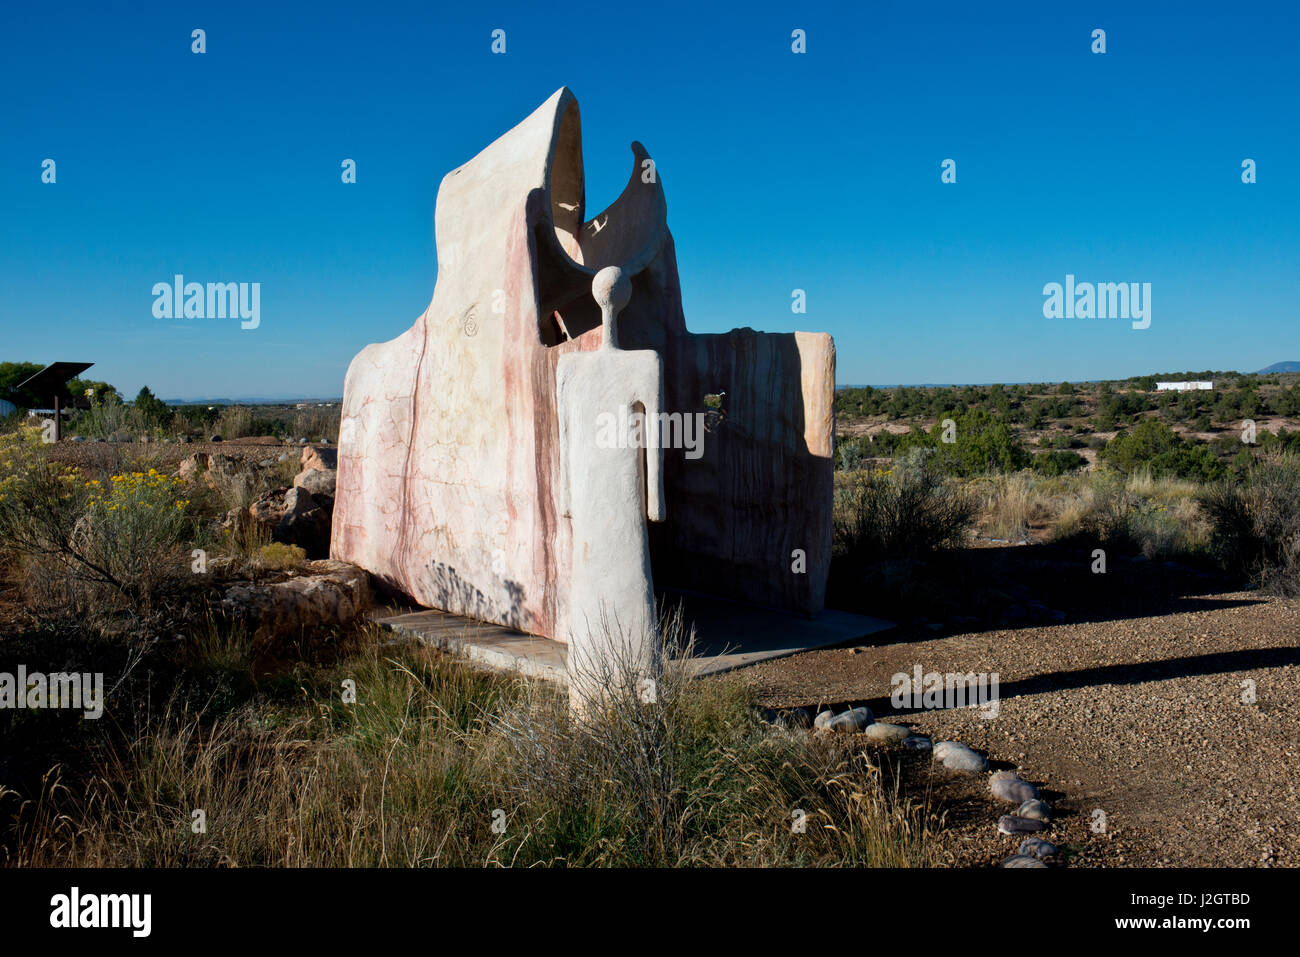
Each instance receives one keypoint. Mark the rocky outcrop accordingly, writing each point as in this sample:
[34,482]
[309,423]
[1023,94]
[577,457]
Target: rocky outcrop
[305,523]
[300,515]
[325,458]
[327,593]
[319,482]
[209,468]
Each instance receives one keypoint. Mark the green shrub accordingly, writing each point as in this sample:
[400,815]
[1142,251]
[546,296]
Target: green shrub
[1187,461]
[904,512]
[853,453]
[1154,446]
[1058,462]
[151,408]
[982,443]
[1256,523]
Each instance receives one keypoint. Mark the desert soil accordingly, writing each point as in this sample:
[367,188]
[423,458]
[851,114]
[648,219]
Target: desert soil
[166,456]
[1140,716]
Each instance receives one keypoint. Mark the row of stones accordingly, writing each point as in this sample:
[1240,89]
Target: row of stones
[1033,814]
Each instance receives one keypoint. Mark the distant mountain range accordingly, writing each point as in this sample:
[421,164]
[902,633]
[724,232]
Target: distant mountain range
[1280,367]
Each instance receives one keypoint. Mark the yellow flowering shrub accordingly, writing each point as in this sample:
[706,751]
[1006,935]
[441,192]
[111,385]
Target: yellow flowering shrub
[111,543]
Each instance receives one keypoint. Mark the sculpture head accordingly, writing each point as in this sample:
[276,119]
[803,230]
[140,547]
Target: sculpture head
[612,291]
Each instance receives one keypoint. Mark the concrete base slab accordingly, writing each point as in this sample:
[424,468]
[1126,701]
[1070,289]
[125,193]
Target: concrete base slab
[493,645]
[728,635]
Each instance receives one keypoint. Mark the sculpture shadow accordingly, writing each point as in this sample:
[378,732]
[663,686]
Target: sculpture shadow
[975,589]
[453,591]
[1125,673]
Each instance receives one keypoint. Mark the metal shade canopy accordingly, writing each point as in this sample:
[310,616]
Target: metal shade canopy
[45,385]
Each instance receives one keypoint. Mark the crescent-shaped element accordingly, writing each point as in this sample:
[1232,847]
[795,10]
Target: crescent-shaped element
[629,233]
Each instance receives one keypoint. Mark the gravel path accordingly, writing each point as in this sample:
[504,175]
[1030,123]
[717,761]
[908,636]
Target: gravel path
[1141,718]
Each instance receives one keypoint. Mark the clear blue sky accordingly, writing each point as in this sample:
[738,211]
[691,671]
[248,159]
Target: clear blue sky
[818,171]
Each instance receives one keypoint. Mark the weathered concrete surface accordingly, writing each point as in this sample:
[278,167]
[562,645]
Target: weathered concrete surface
[449,444]
[764,486]
[495,646]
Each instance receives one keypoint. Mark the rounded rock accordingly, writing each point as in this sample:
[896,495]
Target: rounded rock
[958,757]
[851,721]
[1011,788]
[1022,860]
[886,733]
[1035,810]
[1015,824]
[917,742]
[1037,847]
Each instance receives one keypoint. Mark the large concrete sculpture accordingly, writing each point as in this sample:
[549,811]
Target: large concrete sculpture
[449,486]
[609,487]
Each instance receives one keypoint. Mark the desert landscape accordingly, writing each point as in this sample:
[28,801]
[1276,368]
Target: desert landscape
[854,440]
[1122,693]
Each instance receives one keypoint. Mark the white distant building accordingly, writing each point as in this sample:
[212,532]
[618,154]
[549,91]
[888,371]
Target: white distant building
[1184,386]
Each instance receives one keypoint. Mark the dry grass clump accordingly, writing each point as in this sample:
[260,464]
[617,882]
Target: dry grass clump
[235,422]
[1012,503]
[437,763]
[1157,517]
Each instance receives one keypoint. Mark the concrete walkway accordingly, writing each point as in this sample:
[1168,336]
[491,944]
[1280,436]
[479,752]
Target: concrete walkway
[729,635]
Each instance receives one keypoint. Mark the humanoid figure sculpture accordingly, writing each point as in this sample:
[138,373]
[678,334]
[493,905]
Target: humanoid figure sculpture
[609,488]
[448,482]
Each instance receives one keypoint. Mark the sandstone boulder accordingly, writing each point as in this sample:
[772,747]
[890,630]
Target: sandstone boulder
[269,507]
[329,593]
[315,457]
[211,468]
[318,482]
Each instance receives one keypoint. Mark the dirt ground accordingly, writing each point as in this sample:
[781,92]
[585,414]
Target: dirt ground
[1138,705]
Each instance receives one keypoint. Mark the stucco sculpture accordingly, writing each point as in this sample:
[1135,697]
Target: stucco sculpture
[449,487]
[610,484]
